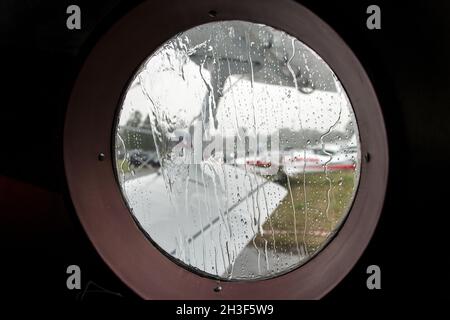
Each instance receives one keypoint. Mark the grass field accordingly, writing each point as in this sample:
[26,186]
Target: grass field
[314,220]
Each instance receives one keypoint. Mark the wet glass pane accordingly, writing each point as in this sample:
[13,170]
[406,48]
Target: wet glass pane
[237,150]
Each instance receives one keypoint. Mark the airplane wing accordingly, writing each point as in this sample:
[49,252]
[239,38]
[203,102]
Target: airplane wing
[209,216]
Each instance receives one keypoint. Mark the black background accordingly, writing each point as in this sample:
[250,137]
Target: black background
[407,61]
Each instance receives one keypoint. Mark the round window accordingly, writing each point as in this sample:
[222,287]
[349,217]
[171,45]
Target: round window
[237,150]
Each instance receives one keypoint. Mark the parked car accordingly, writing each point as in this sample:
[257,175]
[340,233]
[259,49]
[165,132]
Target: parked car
[139,158]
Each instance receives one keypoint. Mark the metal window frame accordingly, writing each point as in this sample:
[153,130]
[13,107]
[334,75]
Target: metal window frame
[96,195]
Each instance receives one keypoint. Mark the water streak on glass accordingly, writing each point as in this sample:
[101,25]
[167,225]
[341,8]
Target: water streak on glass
[237,150]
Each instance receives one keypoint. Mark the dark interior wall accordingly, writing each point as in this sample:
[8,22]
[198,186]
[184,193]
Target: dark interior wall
[407,61]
